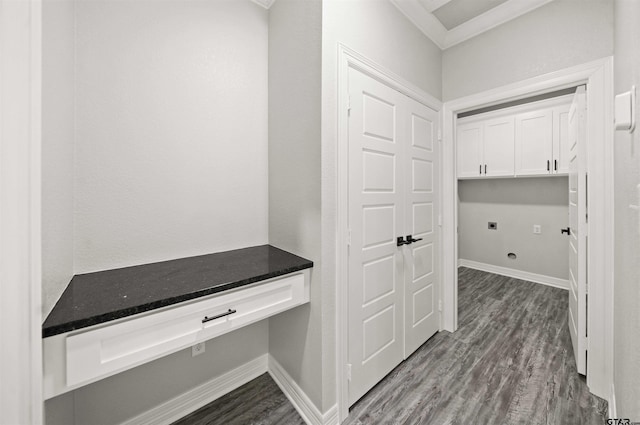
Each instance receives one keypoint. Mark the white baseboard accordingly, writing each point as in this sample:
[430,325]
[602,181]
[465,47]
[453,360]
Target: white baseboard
[303,404]
[190,401]
[518,274]
[612,403]
[330,417]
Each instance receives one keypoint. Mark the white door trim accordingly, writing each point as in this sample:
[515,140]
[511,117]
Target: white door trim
[20,245]
[349,58]
[598,76]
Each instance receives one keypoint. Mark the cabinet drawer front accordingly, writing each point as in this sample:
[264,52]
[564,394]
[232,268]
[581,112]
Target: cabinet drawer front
[118,347]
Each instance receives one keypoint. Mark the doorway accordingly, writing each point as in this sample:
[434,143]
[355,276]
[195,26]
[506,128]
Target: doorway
[597,76]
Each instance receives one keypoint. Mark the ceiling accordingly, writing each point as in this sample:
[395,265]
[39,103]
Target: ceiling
[449,22]
[457,12]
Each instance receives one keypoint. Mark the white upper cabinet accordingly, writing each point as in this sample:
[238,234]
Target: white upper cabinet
[534,142]
[561,146]
[485,148]
[527,140]
[498,147]
[469,137]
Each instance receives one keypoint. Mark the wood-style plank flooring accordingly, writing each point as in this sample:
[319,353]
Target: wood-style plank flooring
[510,362]
[257,402]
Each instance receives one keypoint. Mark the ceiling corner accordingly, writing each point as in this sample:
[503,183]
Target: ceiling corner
[264,3]
[423,20]
[419,12]
[499,15]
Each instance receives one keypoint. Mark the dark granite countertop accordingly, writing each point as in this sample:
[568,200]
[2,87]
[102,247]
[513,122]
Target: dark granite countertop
[100,297]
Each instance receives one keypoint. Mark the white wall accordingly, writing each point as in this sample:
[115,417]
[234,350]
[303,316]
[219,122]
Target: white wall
[171,141]
[558,35]
[296,337]
[516,205]
[58,79]
[171,160]
[627,220]
[20,212]
[376,29]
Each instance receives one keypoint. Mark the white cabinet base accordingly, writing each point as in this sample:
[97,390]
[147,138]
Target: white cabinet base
[78,358]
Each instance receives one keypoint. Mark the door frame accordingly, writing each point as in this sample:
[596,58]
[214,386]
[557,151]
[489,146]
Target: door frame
[349,58]
[598,77]
[21,398]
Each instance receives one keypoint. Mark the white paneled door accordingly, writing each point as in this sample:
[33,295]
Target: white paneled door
[421,212]
[392,194]
[578,229]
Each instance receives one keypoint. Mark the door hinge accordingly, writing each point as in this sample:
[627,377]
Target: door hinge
[349,105]
[439,135]
[440,220]
[439,305]
[349,371]
[348,237]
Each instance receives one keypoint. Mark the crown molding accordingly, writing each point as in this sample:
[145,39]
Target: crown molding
[432,5]
[416,11]
[490,19]
[264,3]
[424,20]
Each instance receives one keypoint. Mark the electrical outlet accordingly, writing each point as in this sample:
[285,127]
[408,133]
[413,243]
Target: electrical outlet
[537,229]
[197,349]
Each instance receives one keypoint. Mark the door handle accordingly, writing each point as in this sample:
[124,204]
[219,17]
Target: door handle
[567,231]
[410,239]
[400,241]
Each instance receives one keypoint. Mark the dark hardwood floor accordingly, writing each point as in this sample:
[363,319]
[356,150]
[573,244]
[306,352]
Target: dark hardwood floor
[510,362]
[257,402]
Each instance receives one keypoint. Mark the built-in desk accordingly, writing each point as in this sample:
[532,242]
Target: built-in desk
[110,321]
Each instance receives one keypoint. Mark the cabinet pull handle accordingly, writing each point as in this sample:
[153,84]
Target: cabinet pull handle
[555,164]
[548,166]
[208,319]
[480,168]
[485,168]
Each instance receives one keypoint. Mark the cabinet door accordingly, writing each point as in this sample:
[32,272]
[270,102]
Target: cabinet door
[469,149]
[499,147]
[561,145]
[534,140]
